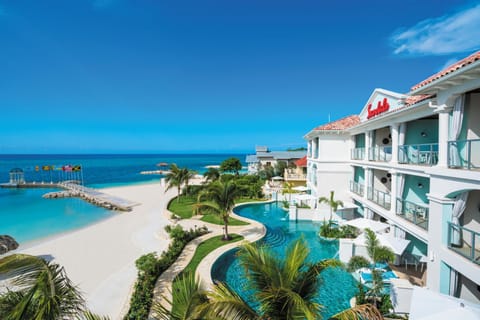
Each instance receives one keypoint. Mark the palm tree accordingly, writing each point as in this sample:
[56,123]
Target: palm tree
[221,200]
[331,202]
[187,175]
[360,312]
[288,188]
[44,290]
[377,253]
[285,289]
[188,297]
[212,174]
[174,178]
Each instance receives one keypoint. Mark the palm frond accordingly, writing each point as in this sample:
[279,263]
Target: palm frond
[224,303]
[88,315]
[360,312]
[44,286]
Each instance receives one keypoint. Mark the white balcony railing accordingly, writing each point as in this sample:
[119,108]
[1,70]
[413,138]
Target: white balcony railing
[413,212]
[421,154]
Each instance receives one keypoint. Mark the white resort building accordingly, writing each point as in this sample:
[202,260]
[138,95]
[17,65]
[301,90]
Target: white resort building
[413,161]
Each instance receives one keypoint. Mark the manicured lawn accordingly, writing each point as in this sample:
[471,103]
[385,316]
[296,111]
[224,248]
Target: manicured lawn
[184,209]
[183,206]
[244,200]
[213,218]
[206,247]
[202,251]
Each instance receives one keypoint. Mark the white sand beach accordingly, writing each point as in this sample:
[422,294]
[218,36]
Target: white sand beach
[100,258]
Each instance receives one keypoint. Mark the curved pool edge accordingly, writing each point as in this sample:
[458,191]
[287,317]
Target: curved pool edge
[253,232]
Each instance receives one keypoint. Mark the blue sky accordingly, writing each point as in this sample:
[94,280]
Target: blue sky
[84,76]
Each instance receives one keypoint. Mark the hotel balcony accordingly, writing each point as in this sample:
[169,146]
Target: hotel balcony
[381,154]
[381,198]
[294,176]
[357,154]
[413,212]
[419,154]
[357,188]
[464,241]
[464,154]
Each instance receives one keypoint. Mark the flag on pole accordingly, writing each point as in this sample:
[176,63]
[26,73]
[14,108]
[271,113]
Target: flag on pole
[77,168]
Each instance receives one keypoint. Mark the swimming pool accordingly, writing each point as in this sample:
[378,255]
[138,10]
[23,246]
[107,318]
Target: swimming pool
[338,286]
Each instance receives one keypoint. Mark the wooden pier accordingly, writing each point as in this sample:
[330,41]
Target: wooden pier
[73,189]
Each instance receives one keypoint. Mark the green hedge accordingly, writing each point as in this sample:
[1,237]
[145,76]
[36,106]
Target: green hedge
[150,268]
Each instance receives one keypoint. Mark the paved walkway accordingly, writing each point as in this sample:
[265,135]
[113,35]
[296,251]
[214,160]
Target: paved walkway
[252,232]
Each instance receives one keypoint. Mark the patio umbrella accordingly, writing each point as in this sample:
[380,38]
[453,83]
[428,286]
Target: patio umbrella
[362,224]
[430,305]
[277,178]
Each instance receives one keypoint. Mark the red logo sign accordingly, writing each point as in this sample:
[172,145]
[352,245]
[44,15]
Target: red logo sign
[382,107]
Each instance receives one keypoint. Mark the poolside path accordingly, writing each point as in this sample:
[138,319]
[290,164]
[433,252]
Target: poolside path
[252,232]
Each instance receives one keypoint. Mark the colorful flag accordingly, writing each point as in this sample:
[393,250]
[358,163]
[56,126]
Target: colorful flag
[37,168]
[77,168]
[67,168]
[45,168]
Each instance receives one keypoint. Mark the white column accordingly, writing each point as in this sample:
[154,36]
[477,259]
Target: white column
[443,133]
[394,132]
[393,191]
[309,149]
[437,237]
[368,136]
[443,124]
[366,181]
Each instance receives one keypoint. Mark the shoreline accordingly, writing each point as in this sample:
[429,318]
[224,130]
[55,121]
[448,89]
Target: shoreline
[100,257]
[113,213]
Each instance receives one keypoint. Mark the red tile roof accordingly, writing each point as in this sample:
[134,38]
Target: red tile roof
[341,124]
[301,162]
[411,100]
[454,67]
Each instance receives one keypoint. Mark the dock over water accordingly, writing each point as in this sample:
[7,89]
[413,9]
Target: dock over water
[73,189]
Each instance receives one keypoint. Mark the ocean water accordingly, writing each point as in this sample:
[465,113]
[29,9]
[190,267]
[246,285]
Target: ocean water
[26,216]
[337,286]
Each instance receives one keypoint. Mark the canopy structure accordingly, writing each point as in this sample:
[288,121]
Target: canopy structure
[300,188]
[277,178]
[430,305]
[397,245]
[362,224]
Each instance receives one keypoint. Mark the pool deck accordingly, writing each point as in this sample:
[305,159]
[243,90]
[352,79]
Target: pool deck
[251,233]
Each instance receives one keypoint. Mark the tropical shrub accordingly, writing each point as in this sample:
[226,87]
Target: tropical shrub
[150,268]
[357,262]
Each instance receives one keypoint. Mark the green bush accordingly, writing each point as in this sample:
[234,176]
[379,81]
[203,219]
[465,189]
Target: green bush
[150,268]
[357,262]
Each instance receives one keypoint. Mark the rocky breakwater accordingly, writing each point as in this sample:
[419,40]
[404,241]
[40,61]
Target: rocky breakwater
[7,243]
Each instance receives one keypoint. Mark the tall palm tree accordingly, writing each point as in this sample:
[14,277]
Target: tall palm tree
[44,290]
[375,250]
[331,202]
[212,174]
[175,178]
[187,175]
[377,253]
[220,198]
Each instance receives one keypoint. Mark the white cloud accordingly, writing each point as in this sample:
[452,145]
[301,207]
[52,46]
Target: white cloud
[450,34]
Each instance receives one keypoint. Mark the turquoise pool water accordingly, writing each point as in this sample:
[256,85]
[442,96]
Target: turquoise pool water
[338,286]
